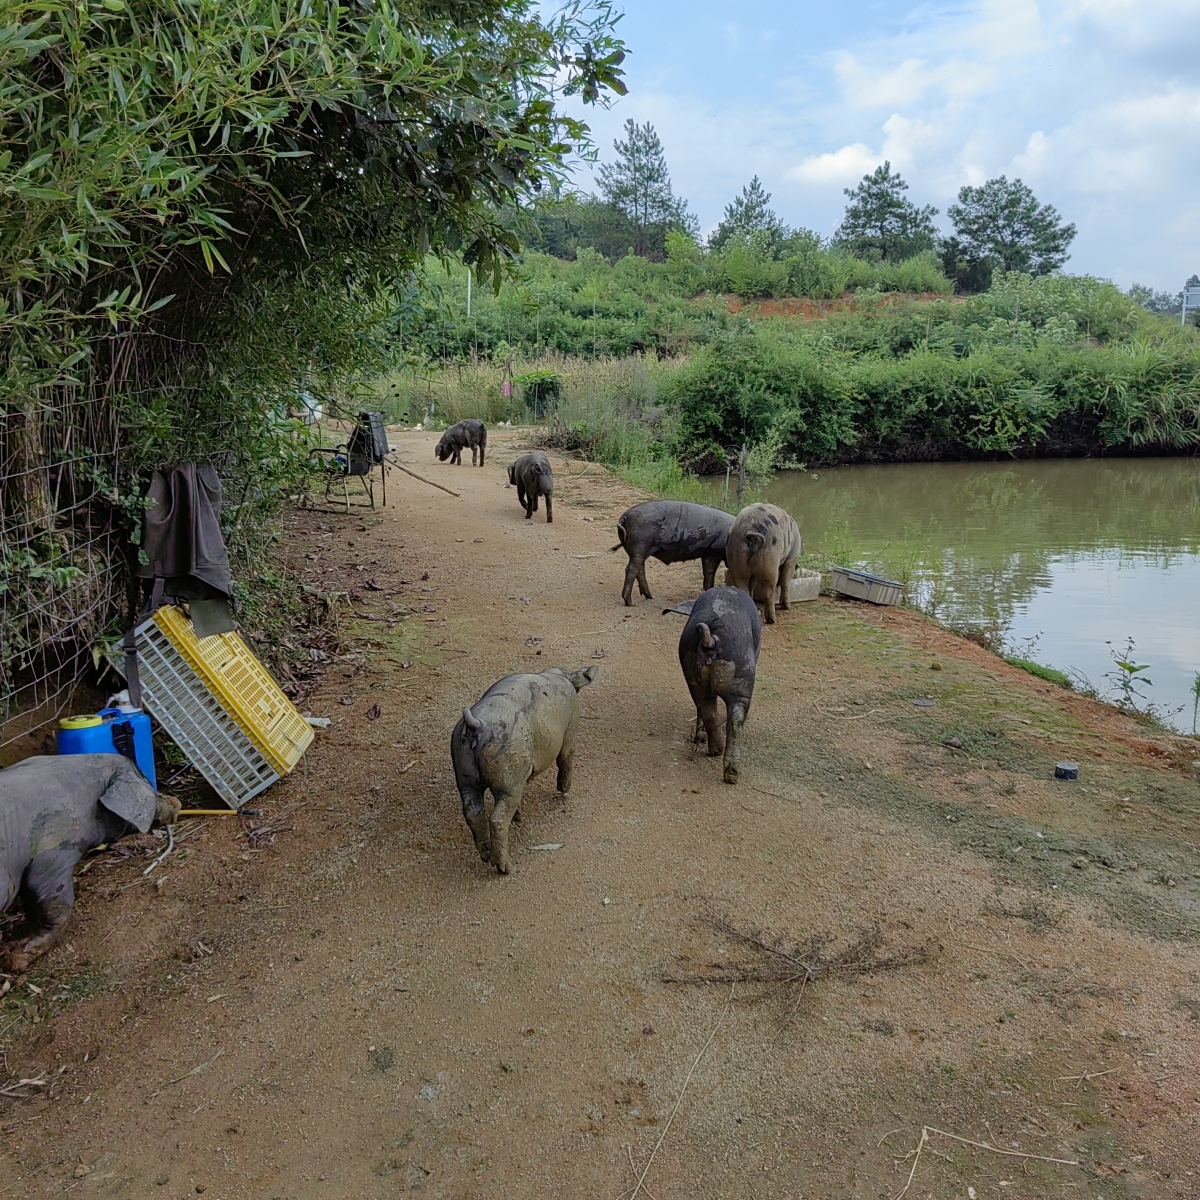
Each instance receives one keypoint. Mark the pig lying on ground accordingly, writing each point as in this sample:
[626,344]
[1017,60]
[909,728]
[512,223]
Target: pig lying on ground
[513,732]
[718,651]
[53,810]
[671,531]
[533,477]
[458,437]
[762,552]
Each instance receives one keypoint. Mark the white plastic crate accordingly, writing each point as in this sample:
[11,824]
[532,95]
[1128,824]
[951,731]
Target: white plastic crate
[862,586]
[195,720]
[805,585]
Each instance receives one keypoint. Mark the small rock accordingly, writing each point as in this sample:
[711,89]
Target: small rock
[162,1180]
[954,743]
[935,666]
[80,1171]
[606,900]
[374,712]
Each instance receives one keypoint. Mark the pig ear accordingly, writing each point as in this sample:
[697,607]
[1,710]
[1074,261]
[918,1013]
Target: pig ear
[589,673]
[471,720]
[132,799]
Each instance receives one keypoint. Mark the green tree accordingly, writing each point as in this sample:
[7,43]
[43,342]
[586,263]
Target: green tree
[639,185]
[881,223]
[1157,302]
[205,207]
[748,214]
[1001,226]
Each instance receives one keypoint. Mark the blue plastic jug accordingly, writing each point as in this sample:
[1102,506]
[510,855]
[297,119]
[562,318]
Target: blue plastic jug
[111,731]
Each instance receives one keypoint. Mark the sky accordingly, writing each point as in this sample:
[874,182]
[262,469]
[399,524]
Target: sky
[1095,104]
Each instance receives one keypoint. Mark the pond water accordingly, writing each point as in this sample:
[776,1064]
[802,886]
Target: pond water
[1060,558]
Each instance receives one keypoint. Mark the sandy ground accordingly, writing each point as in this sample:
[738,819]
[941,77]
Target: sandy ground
[337,999]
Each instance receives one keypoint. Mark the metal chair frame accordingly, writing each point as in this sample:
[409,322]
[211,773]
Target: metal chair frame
[358,458]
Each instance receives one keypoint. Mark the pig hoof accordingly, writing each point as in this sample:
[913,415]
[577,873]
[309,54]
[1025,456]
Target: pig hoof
[19,960]
[504,866]
[731,775]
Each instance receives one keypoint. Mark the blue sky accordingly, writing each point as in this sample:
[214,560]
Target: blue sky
[1094,103]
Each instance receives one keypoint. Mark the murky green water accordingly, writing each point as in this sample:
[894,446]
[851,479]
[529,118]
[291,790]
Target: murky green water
[1062,557]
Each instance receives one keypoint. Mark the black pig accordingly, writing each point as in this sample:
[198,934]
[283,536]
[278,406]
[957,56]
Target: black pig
[533,477]
[671,531]
[458,437]
[718,651]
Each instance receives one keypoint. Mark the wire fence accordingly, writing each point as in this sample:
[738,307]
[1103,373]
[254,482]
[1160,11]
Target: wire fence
[62,548]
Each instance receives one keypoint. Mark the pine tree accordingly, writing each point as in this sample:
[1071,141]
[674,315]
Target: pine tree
[748,214]
[639,185]
[1002,225]
[882,223]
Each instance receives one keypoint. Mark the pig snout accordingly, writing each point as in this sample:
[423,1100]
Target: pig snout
[167,810]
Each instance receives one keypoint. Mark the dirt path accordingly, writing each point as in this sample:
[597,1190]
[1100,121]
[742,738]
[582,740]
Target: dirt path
[349,1004]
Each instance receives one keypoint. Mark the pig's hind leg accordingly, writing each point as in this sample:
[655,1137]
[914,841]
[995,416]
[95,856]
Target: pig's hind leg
[710,571]
[476,818]
[706,710]
[506,806]
[785,581]
[566,759]
[736,718]
[632,570]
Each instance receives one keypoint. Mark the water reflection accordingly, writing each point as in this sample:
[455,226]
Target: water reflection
[1082,552]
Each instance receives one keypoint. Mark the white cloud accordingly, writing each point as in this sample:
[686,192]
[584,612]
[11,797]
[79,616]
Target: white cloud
[846,165]
[867,88]
[1006,28]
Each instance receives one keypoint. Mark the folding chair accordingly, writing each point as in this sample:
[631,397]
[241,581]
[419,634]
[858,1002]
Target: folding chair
[357,458]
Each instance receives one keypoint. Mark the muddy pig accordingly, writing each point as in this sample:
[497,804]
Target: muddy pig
[458,437]
[718,651]
[762,553]
[514,731]
[53,810]
[671,531]
[533,477]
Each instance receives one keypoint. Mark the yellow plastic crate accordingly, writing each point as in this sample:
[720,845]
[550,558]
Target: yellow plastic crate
[245,690]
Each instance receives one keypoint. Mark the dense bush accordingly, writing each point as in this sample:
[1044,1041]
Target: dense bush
[1051,365]
[209,207]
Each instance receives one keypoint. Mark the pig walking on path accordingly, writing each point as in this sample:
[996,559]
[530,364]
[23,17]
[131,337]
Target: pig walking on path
[671,531]
[762,552]
[457,438]
[513,732]
[718,651]
[533,476]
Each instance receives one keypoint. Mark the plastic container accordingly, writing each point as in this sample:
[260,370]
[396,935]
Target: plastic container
[196,721]
[861,586]
[805,585]
[111,731]
[244,689]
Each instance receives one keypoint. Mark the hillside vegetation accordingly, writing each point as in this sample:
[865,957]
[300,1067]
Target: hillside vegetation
[1034,365]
